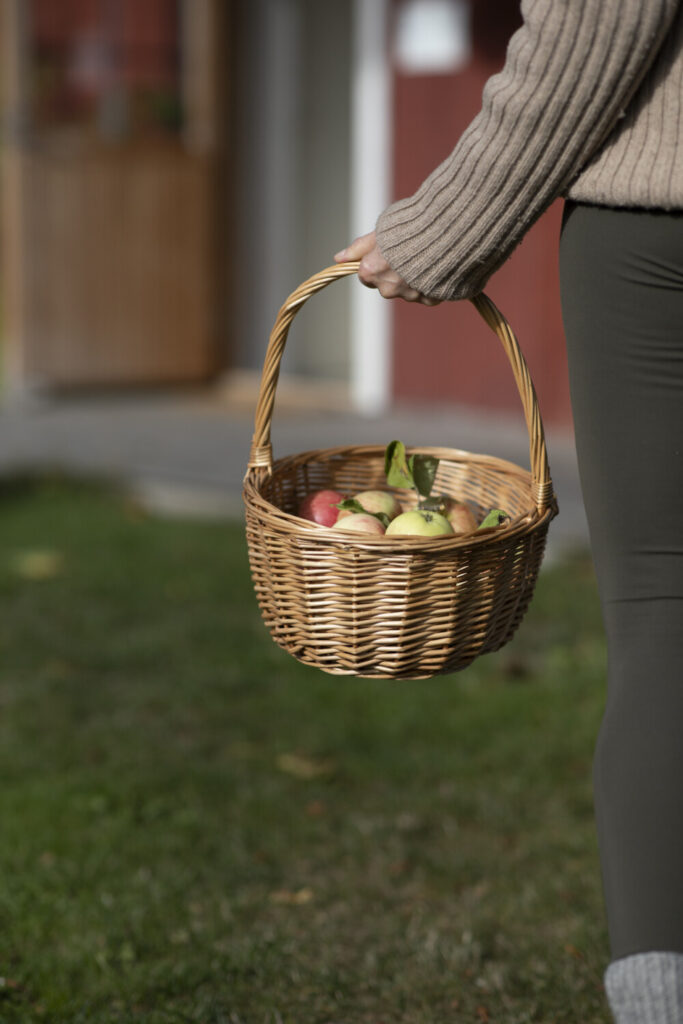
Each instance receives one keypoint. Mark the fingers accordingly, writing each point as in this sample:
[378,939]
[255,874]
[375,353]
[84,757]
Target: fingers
[397,289]
[374,271]
[391,286]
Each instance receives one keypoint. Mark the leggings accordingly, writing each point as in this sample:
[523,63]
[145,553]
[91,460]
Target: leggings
[622,306]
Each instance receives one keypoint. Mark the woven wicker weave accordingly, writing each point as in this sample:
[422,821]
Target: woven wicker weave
[392,607]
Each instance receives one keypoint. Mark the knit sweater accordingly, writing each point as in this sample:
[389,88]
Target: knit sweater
[589,105]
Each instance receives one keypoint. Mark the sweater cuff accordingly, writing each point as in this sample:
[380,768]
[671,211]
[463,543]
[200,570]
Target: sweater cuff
[466,282]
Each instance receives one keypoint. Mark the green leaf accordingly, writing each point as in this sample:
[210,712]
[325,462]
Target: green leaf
[349,505]
[496,517]
[397,467]
[424,472]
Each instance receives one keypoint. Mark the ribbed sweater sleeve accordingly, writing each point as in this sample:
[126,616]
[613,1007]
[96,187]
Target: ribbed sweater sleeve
[569,74]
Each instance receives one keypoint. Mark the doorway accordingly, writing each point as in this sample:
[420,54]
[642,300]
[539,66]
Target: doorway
[115,247]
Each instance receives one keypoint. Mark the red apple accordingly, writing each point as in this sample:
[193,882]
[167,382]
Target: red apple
[460,516]
[360,522]
[419,522]
[321,507]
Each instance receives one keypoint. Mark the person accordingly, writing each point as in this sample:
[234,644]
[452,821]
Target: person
[589,107]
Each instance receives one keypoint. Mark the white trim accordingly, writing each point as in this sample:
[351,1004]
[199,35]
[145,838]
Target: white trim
[371,117]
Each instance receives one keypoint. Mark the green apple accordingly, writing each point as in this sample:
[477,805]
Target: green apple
[419,522]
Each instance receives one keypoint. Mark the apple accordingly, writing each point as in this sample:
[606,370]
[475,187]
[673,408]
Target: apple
[360,522]
[375,501]
[460,516]
[321,507]
[419,522]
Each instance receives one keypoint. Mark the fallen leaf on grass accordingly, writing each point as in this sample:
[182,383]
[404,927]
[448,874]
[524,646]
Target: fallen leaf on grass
[58,667]
[399,867]
[37,564]
[292,897]
[315,809]
[302,767]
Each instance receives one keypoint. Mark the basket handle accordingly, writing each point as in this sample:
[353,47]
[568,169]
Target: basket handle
[261,454]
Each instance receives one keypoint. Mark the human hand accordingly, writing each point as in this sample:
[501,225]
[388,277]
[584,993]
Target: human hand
[375,272]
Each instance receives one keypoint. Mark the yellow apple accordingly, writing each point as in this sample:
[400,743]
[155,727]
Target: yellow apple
[360,522]
[374,502]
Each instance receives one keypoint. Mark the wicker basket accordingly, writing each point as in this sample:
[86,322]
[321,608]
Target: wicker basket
[392,607]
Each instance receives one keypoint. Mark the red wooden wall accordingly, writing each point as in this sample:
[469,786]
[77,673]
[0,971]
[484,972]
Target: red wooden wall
[445,353]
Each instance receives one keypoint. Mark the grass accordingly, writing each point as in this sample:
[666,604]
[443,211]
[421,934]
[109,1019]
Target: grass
[195,827]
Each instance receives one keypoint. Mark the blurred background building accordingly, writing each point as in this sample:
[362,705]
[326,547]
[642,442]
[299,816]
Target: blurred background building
[172,169]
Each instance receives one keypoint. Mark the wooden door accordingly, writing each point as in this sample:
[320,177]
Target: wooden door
[113,236]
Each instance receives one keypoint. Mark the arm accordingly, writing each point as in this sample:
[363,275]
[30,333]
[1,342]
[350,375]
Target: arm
[570,71]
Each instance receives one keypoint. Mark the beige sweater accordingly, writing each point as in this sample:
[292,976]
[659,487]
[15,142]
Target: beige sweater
[589,105]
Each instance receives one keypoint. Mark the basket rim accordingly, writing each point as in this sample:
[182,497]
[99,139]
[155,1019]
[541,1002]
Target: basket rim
[442,452]
[520,526]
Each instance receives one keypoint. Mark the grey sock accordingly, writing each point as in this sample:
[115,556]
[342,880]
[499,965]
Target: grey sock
[646,988]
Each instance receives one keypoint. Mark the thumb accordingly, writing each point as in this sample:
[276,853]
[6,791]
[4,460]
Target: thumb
[357,249]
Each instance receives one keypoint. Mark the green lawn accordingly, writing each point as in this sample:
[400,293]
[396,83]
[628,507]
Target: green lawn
[194,827]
